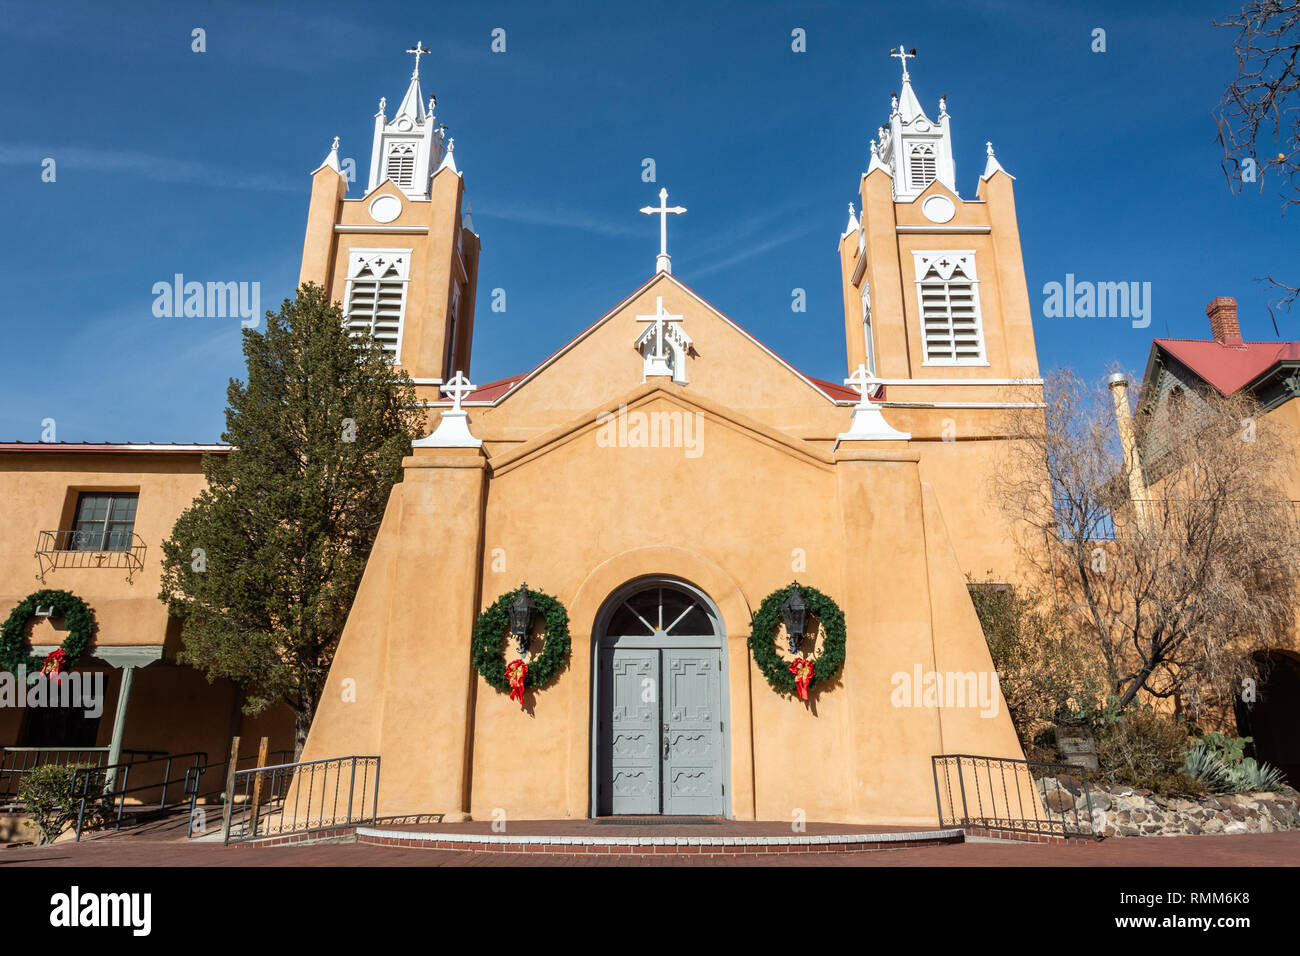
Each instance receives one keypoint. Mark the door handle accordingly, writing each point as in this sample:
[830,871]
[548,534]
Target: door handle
[666,741]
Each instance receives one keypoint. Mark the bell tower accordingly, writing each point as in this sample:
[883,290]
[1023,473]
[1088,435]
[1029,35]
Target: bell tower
[935,299]
[402,258]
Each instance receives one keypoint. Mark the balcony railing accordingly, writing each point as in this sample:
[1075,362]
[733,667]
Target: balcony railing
[89,549]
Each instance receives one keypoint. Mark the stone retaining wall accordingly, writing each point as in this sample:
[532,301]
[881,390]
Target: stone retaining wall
[1119,811]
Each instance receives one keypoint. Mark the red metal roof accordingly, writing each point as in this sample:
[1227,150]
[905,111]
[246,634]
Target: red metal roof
[1229,367]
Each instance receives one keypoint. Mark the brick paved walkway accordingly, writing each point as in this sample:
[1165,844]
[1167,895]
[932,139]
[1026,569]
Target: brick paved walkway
[1264,849]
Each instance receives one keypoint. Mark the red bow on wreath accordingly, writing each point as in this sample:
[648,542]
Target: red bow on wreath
[55,661]
[803,672]
[517,673]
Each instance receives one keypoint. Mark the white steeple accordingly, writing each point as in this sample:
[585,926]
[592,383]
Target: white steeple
[409,148]
[915,149]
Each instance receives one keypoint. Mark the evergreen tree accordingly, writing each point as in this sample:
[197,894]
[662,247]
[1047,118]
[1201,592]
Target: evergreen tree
[264,565]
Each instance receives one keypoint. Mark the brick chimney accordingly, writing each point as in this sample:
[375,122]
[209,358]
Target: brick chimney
[1222,313]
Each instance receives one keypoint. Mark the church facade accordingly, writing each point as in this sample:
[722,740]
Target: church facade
[660,475]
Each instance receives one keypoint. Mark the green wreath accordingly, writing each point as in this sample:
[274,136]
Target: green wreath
[489,639]
[762,638]
[76,615]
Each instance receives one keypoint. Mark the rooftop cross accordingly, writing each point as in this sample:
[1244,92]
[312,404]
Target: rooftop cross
[664,262]
[458,386]
[419,51]
[903,55]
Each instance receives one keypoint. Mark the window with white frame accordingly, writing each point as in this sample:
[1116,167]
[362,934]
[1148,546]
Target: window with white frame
[400,165]
[376,296]
[947,291]
[867,336]
[922,167]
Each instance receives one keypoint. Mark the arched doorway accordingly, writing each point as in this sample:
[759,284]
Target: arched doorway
[1274,717]
[659,703]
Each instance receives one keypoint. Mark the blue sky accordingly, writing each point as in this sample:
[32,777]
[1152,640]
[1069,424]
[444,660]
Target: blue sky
[173,161]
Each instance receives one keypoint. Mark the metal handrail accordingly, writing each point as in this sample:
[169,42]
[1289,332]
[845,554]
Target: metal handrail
[195,774]
[309,778]
[7,772]
[1018,805]
[85,774]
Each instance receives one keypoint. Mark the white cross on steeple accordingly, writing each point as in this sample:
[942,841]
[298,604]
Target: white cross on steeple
[903,55]
[657,361]
[419,51]
[458,387]
[664,262]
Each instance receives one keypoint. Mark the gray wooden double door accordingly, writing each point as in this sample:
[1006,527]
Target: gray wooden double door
[661,742]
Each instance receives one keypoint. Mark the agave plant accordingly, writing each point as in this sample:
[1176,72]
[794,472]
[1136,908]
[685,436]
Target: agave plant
[1201,763]
[1250,775]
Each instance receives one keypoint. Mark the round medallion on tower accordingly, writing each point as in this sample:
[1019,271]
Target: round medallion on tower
[385,208]
[938,209]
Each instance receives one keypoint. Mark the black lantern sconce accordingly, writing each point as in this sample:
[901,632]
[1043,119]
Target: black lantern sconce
[522,614]
[795,613]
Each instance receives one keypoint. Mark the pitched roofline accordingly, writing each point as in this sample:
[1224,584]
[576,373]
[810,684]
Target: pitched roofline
[573,342]
[84,447]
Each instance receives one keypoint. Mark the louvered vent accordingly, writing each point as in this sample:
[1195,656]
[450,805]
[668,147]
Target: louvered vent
[949,318]
[376,297]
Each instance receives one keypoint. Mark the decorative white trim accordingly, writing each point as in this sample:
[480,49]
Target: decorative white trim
[963,404]
[375,229]
[915,229]
[426,381]
[960,381]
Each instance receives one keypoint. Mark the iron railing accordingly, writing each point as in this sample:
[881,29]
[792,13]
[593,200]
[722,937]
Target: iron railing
[194,784]
[99,785]
[69,548]
[1013,795]
[299,798]
[17,762]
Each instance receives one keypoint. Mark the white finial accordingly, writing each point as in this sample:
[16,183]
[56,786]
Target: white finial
[433,101]
[332,157]
[943,107]
[458,387]
[903,55]
[451,144]
[875,150]
[453,428]
[853,221]
[419,51]
[467,220]
[893,103]
[383,105]
[664,262]
[867,424]
[992,165]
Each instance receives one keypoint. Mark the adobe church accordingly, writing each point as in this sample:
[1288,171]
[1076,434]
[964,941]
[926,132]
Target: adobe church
[660,477]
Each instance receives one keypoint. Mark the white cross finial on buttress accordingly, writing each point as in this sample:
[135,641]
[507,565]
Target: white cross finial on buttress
[458,387]
[664,262]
